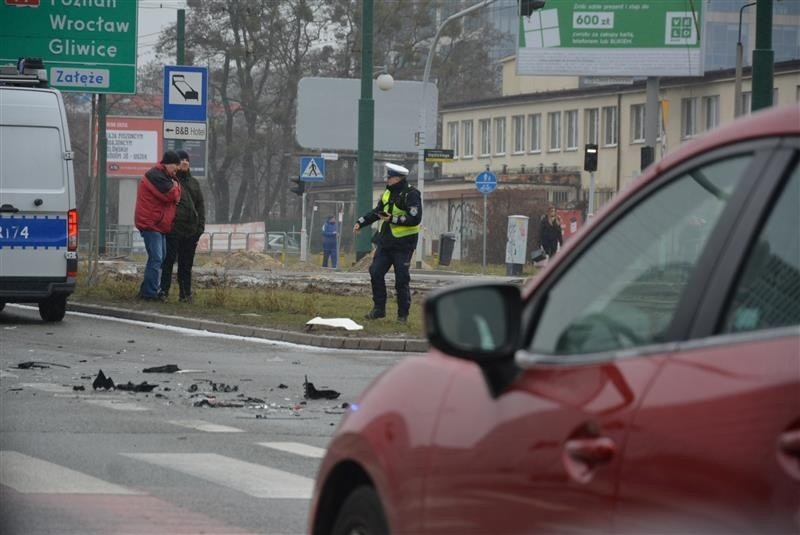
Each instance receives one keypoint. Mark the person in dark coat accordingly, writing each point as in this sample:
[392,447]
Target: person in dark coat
[399,211]
[156,200]
[189,225]
[550,231]
[330,232]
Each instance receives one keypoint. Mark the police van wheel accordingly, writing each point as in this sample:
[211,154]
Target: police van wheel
[53,308]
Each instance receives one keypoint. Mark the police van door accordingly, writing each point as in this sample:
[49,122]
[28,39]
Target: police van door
[36,185]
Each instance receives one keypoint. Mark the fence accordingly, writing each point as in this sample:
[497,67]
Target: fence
[122,240]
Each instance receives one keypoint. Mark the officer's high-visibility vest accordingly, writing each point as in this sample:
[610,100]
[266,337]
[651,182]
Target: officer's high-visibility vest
[398,231]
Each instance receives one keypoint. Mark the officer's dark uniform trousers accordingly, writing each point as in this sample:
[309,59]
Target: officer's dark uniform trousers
[385,258]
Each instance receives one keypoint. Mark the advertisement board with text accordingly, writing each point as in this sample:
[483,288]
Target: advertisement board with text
[612,38]
[135,144]
[87,46]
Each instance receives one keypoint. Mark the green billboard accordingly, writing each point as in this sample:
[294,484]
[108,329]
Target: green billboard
[612,38]
[86,45]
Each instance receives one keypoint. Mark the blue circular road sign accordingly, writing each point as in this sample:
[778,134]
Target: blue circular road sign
[486,182]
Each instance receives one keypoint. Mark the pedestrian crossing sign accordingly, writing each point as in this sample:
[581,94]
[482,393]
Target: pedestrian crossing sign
[312,169]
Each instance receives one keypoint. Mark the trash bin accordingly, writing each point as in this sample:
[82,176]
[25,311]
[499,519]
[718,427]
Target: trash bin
[446,243]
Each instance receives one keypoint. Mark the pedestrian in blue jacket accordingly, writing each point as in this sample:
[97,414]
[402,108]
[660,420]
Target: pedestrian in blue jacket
[329,250]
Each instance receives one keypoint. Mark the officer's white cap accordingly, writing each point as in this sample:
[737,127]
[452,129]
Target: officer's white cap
[392,169]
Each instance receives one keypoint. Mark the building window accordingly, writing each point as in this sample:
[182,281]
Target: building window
[609,126]
[711,112]
[554,131]
[571,118]
[535,122]
[466,129]
[637,123]
[500,135]
[486,137]
[452,130]
[518,125]
[688,117]
[592,119]
[747,102]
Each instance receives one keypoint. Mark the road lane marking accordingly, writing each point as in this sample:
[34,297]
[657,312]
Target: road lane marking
[206,427]
[116,405]
[31,475]
[47,387]
[295,447]
[253,479]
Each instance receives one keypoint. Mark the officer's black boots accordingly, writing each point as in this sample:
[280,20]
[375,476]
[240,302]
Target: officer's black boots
[375,314]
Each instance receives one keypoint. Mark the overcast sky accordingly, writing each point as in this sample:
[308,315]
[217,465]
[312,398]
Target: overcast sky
[153,16]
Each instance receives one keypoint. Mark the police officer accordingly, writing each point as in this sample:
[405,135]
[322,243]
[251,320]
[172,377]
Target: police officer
[399,211]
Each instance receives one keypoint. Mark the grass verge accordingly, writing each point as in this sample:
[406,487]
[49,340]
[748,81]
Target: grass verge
[273,308]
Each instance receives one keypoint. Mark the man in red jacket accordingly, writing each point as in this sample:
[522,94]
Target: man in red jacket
[156,201]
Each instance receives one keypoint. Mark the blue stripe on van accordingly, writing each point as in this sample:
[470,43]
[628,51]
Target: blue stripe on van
[33,232]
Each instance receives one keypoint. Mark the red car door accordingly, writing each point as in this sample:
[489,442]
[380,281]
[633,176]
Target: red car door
[541,458]
[706,451]
[715,446]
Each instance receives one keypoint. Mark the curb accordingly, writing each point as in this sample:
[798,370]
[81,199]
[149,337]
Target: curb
[295,337]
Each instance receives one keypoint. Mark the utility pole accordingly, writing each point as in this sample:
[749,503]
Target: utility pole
[737,91]
[763,57]
[366,129]
[180,53]
[102,155]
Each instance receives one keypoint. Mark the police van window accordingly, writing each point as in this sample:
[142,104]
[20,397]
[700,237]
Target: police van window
[47,162]
[767,294]
[623,291]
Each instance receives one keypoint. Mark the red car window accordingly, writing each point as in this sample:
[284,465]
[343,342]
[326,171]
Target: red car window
[768,292]
[623,291]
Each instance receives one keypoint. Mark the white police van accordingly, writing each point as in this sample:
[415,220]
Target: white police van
[38,218]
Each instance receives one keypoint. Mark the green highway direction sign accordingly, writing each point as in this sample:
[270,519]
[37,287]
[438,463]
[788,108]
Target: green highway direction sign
[86,45]
[612,37]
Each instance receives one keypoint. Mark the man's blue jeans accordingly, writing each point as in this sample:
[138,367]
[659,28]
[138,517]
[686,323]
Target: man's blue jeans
[155,244]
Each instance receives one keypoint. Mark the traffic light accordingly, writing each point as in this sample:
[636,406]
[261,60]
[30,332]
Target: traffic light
[300,188]
[527,7]
[648,156]
[590,157]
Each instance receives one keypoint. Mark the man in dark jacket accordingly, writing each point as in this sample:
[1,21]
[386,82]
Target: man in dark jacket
[156,197]
[329,249]
[399,211]
[190,222]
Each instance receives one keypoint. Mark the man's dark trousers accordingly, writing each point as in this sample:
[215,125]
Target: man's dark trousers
[384,259]
[183,249]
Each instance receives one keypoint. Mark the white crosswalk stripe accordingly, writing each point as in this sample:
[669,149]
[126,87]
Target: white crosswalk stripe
[47,387]
[31,475]
[207,427]
[116,405]
[295,447]
[253,479]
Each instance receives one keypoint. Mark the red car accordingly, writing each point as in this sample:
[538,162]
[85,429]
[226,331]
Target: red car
[648,381]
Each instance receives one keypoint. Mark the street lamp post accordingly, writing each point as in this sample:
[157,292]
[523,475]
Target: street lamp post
[420,141]
[737,96]
[366,129]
